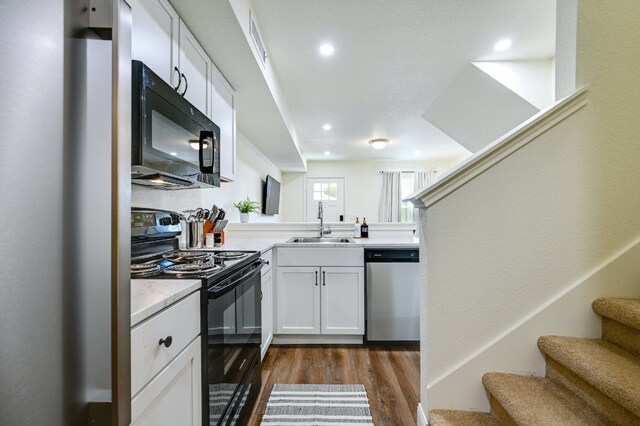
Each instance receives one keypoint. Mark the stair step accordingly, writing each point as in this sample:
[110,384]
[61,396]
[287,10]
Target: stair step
[625,311]
[620,322]
[461,418]
[606,367]
[529,400]
[628,338]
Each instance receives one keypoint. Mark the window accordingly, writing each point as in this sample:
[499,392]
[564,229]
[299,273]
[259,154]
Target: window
[406,189]
[325,191]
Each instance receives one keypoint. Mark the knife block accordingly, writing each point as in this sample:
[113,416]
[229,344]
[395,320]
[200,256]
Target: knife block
[208,229]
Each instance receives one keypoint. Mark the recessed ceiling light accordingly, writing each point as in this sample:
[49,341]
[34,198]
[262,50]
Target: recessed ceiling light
[502,45]
[327,49]
[327,153]
[173,153]
[378,143]
[416,152]
[327,127]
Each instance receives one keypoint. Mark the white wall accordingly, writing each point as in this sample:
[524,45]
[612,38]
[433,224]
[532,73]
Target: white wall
[362,184]
[475,109]
[507,242]
[566,32]
[253,167]
[532,80]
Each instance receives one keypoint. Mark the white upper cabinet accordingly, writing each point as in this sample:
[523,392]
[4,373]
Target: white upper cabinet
[154,37]
[223,113]
[163,42]
[195,68]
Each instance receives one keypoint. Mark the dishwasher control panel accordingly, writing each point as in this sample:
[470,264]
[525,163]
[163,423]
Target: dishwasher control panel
[391,255]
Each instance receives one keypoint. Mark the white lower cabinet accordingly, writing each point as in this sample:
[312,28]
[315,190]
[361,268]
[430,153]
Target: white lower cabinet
[342,300]
[320,300]
[166,377]
[267,302]
[267,312]
[298,300]
[174,396]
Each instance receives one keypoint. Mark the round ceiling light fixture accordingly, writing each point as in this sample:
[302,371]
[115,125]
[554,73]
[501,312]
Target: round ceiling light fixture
[326,127]
[378,143]
[327,153]
[327,49]
[502,45]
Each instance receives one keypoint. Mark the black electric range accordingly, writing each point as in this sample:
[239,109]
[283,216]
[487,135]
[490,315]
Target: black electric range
[231,312]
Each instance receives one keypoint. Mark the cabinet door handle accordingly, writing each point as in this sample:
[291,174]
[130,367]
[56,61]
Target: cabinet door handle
[316,277]
[179,78]
[186,84]
[167,341]
[324,279]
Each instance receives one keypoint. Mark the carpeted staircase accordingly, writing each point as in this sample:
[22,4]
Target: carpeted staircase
[587,382]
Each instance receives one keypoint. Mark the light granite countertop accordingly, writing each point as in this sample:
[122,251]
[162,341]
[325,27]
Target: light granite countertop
[151,296]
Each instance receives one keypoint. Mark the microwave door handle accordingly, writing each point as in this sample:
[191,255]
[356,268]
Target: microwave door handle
[204,134]
[179,78]
[186,84]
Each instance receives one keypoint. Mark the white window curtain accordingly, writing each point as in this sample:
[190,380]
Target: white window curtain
[390,197]
[422,179]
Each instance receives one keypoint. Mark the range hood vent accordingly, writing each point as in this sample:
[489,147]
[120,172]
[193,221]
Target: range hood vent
[145,176]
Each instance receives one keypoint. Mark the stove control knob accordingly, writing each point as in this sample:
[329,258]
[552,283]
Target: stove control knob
[165,221]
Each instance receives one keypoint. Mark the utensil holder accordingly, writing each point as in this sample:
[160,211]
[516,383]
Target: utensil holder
[195,236]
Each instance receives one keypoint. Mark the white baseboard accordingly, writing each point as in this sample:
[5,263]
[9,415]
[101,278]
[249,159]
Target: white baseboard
[516,351]
[312,339]
[263,350]
[422,418]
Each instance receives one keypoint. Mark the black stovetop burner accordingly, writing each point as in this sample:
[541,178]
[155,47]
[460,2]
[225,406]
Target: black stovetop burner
[179,264]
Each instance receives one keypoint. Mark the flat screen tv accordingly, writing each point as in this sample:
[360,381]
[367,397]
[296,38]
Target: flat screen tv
[271,198]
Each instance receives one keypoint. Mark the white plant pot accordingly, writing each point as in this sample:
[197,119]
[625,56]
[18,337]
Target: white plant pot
[244,217]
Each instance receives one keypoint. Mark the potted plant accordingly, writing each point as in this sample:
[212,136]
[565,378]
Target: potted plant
[245,207]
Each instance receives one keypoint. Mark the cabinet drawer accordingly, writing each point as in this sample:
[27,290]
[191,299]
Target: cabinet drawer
[268,257]
[181,321]
[320,256]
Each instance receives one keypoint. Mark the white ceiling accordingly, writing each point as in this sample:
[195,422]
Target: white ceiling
[391,60]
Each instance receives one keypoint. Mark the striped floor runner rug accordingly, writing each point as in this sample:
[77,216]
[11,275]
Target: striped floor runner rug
[317,405]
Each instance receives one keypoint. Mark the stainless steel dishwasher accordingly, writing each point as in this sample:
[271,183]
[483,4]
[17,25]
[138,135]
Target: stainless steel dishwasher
[393,295]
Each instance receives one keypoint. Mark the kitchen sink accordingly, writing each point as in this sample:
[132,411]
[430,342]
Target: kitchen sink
[325,240]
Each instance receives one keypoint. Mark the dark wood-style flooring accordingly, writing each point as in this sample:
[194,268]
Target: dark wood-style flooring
[391,375]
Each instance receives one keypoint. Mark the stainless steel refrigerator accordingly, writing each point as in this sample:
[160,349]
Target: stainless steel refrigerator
[64,207]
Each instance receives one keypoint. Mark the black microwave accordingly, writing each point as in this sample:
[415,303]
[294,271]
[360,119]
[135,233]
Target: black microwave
[174,145]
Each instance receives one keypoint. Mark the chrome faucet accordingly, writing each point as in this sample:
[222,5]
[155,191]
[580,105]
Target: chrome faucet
[323,231]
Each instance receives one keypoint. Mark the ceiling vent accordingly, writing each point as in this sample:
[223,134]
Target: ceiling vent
[257,41]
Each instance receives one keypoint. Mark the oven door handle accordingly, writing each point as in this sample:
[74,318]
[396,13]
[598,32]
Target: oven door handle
[256,267]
